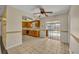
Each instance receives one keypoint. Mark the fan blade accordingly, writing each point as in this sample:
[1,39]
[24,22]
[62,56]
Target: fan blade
[36,13]
[48,12]
[46,15]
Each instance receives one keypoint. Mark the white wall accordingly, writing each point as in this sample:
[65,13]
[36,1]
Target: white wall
[74,28]
[14,27]
[13,24]
[64,28]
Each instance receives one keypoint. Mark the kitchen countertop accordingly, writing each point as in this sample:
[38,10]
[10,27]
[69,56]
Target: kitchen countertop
[34,29]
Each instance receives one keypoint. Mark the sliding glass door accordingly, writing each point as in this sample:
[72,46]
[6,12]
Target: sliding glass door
[53,31]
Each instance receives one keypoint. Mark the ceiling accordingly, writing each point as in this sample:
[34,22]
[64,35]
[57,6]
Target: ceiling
[56,9]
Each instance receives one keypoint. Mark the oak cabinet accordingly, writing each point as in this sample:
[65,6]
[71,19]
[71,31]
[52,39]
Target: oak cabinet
[33,33]
[37,23]
[27,24]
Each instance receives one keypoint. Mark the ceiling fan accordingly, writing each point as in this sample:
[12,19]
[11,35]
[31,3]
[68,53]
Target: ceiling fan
[42,11]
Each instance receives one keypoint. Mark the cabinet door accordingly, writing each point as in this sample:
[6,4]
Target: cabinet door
[36,33]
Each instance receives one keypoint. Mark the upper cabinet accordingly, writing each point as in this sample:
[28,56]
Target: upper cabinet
[37,23]
[27,24]
[31,24]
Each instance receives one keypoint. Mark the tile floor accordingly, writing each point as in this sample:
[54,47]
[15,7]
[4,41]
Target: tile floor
[32,45]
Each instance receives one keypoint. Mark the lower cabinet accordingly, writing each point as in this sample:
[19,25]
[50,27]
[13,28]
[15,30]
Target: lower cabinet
[34,33]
